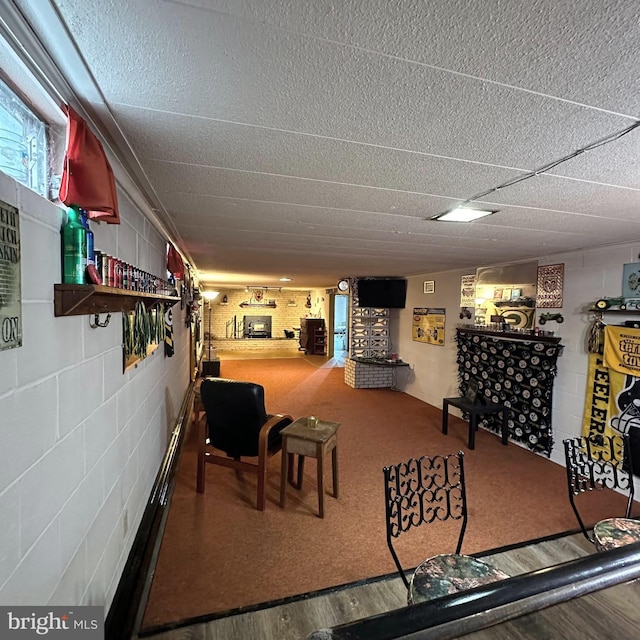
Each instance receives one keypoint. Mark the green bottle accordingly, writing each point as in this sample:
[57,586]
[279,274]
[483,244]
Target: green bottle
[74,248]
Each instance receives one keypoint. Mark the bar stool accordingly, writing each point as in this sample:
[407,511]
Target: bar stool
[615,532]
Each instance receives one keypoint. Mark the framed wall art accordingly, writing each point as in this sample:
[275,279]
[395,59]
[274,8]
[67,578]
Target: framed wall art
[549,286]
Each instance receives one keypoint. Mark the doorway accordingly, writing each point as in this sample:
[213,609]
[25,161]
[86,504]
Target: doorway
[340,327]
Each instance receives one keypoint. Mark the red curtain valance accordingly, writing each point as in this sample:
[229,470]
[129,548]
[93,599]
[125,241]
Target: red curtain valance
[87,178]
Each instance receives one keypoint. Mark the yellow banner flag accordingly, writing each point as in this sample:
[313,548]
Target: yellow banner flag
[612,403]
[622,349]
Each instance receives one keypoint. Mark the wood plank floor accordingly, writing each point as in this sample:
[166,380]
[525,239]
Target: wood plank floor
[612,613]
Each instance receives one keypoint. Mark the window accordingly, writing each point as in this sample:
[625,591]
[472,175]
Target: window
[23,143]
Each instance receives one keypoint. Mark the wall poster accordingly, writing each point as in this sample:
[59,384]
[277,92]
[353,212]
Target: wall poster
[428,325]
[468,291]
[10,286]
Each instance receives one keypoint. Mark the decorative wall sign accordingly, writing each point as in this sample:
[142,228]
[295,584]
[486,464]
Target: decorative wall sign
[516,373]
[550,283]
[10,283]
[428,325]
[429,286]
[631,280]
[518,317]
[468,291]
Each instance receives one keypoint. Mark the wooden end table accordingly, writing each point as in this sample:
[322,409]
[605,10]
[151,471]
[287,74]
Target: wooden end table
[314,442]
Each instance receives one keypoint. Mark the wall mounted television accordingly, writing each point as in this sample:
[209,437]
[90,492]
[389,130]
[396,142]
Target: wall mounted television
[386,293]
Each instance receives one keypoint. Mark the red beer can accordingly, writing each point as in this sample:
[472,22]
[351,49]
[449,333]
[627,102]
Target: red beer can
[111,271]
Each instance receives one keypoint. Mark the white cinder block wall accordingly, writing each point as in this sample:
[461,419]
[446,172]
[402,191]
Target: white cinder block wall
[80,442]
[588,275]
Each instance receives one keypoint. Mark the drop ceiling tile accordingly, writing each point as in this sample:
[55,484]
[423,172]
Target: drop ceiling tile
[307,136]
[204,142]
[219,66]
[615,163]
[180,179]
[579,51]
[576,196]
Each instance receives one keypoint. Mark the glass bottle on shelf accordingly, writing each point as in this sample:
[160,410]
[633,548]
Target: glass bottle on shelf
[74,248]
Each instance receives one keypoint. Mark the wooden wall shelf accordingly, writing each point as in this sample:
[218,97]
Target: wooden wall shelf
[86,299]
[511,335]
[265,305]
[613,310]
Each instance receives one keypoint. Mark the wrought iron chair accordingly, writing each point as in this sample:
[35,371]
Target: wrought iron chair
[595,463]
[238,424]
[423,491]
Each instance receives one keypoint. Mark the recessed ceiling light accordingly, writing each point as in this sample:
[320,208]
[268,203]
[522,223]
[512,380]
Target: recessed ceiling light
[285,280]
[463,214]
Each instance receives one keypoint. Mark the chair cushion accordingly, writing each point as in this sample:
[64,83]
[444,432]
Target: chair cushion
[445,574]
[615,532]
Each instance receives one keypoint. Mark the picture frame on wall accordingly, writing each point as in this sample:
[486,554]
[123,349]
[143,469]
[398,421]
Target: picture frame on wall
[429,286]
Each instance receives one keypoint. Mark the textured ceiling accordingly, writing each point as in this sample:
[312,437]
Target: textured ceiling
[315,139]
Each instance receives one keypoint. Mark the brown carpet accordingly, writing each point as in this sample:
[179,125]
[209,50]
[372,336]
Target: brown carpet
[218,553]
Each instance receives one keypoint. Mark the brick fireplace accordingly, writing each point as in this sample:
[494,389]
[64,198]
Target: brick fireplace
[257,327]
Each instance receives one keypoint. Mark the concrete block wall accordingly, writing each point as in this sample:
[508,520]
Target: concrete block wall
[588,275]
[361,375]
[81,442]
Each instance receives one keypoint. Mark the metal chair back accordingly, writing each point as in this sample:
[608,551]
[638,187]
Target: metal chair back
[595,463]
[423,491]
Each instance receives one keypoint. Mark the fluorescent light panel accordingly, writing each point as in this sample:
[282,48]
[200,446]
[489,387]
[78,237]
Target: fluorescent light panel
[463,214]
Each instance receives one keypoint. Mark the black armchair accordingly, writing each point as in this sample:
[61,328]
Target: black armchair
[237,424]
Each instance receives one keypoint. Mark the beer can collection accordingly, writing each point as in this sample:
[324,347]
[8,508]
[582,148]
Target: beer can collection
[121,275]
